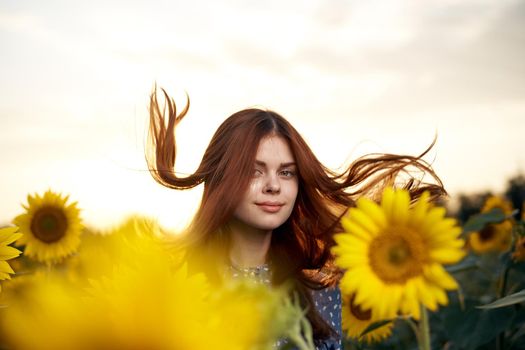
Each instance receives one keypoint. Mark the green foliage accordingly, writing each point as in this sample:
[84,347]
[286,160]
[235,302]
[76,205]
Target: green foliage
[470,205]
[470,328]
[512,299]
[478,221]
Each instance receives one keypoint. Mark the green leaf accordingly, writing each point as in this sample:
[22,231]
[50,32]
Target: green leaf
[512,299]
[490,324]
[373,326]
[471,328]
[478,221]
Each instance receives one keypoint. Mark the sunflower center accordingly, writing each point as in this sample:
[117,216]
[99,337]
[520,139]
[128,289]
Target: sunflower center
[358,312]
[49,224]
[487,233]
[397,254]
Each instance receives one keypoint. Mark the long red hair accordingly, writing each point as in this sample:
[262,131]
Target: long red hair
[300,248]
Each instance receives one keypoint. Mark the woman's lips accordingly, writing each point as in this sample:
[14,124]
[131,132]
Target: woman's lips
[270,207]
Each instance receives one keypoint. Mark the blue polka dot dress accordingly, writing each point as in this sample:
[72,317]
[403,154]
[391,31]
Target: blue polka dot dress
[328,304]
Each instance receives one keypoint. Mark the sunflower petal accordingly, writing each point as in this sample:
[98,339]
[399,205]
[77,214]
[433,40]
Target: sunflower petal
[355,229]
[9,236]
[447,256]
[5,267]
[387,202]
[7,253]
[439,276]
[400,207]
[360,218]
[373,211]
[420,209]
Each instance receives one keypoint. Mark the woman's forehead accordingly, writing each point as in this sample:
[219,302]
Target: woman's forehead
[274,148]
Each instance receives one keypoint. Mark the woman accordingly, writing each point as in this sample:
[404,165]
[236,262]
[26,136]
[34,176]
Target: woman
[269,208]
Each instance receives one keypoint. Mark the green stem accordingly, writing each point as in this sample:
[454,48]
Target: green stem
[424,330]
[500,340]
[503,283]
[299,342]
[412,325]
[296,337]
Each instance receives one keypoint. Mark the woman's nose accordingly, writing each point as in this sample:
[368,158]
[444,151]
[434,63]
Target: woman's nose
[272,185]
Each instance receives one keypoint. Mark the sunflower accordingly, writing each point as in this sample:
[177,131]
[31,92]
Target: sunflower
[140,301]
[497,202]
[51,228]
[357,319]
[7,236]
[493,237]
[394,254]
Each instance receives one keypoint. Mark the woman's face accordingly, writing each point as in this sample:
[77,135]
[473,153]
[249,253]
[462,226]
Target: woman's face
[271,194]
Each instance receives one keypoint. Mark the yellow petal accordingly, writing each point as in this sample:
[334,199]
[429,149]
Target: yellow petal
[355,229]
[349,241]
[447,256]
[410,304]
[400,207]
[5,267]
[439,276]
[439,294]
[7,253]
[373,211]
[349,261]
[420,210]
[446,225]
[425,295]
[432,218]
[387,202]
[359,217]
[8,235]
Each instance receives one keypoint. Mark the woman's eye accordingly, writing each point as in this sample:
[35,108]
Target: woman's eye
[257,172]
[287,173]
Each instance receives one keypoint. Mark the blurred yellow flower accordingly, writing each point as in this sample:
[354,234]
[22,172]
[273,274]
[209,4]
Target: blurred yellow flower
[7,236]
[51,228]
[497,202]
[493,237]
[43,313]
[150,307]
[134,238]
[138,301]
[265,317]
[132,293]
[394,254]
[356,320]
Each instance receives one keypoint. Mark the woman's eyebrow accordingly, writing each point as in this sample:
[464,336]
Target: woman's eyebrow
[282,165]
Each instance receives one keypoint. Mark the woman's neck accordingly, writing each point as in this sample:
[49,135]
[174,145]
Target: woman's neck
[249,246]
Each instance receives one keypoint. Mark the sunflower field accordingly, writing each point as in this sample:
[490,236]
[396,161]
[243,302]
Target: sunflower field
[418,279]
[69,286]
[414,277]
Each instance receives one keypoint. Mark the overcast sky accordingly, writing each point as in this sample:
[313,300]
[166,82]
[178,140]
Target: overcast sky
[352,76]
